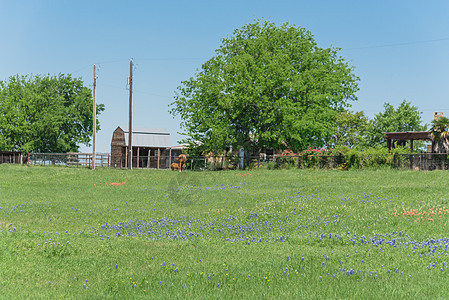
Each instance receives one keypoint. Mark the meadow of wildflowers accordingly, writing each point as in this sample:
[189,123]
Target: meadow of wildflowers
[78,233]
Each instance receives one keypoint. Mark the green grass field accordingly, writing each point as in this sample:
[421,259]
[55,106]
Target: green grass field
[78,233]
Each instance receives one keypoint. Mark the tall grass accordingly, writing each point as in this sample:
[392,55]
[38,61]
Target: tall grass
[78,233]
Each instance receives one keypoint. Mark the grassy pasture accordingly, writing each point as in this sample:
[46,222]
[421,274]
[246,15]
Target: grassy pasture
[78,233]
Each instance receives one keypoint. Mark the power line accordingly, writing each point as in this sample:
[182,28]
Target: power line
[397,44]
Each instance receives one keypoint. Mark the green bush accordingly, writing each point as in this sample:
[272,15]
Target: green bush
[342,158]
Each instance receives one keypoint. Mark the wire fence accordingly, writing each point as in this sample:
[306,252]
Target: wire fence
[422,161]
[69,159]
[416,161]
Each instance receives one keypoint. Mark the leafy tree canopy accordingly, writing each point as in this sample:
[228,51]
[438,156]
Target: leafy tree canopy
[406,117]
[351,130]
[267,86]
[45,113]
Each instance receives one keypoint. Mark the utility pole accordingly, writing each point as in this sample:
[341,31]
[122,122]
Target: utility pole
[94,128]
[130,130]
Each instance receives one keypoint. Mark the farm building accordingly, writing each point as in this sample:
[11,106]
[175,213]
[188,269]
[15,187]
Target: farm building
[11,157]
[150,148]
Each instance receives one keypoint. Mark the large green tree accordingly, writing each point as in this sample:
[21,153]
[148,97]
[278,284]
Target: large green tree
[351,130]
[45,113]
[406,117]
[267,86]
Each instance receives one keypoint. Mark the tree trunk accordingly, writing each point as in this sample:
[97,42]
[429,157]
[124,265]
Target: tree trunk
[441,146]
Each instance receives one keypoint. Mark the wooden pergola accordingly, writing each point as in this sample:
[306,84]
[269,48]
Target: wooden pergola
[407,136]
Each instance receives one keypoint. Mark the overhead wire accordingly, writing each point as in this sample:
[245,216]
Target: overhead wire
[398,44]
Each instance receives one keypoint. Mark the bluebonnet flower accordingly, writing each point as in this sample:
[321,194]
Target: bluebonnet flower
[116,267]
[176,270]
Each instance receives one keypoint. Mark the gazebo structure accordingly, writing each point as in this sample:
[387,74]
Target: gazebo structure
[411,136]
[150,148]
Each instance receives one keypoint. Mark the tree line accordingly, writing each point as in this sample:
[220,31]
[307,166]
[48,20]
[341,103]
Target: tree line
[267,87]
[272,87]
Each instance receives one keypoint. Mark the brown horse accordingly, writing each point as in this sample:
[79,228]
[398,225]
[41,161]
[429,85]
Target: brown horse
[182,159]
[174,166]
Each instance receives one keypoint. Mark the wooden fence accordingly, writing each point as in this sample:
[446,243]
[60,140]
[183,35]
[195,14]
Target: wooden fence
[11,157]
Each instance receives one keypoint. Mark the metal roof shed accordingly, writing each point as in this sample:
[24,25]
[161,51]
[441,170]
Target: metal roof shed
[148,137]
[149,147]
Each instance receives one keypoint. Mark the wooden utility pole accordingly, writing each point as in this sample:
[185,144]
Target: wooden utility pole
[130,130]
[94,128]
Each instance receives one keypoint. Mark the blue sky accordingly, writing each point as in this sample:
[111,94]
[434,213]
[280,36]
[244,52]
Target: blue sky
[399,48]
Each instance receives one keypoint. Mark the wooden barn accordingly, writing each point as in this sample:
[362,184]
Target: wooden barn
[11,157]
[150,148]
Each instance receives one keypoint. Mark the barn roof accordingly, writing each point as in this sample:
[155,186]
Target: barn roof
[148,137]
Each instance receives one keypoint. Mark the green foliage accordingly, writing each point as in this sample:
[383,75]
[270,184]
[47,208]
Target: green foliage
[45,113]
[440,135]
[379,157]
[267,86]
[342,158]
[351,130]
[440,128]
[405,117]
